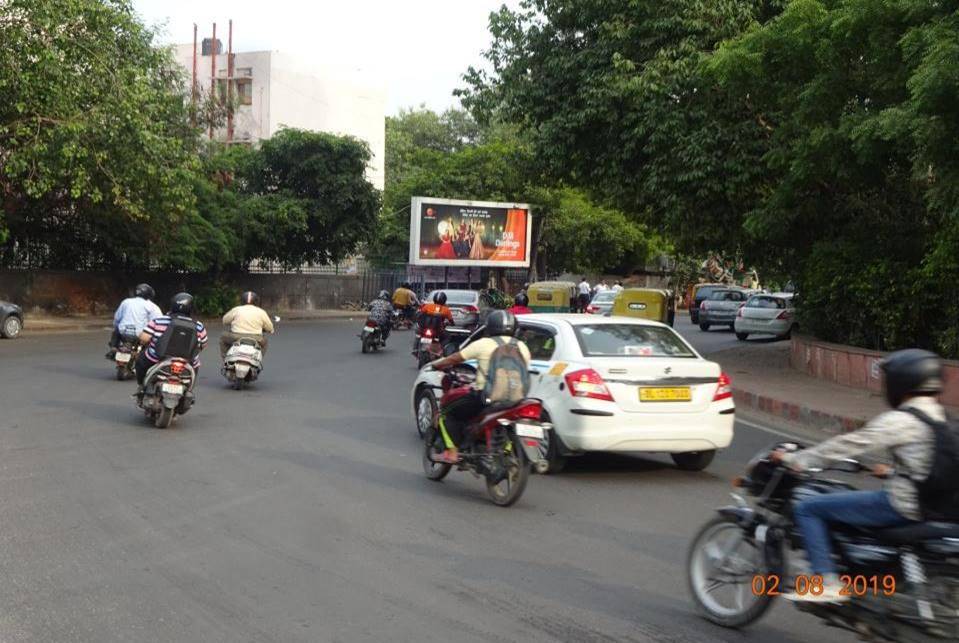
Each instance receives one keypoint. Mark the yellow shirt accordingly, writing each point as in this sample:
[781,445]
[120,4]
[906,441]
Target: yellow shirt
[482,350]
[248,320]
[403,297]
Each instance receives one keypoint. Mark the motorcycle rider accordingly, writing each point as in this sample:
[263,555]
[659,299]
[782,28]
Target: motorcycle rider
[405,300]
[247,321]
[136,311]
[456,416]
[913,382]
[435,316]
[520,305]
[381,311]
[181,307]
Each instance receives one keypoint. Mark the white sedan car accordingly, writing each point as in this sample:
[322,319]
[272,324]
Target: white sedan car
[616,384]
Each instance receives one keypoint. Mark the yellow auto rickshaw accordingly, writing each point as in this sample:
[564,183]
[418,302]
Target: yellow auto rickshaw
[552,296]
[656,304]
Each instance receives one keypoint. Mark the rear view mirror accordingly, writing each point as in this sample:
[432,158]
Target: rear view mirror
[276,318]
[847,466]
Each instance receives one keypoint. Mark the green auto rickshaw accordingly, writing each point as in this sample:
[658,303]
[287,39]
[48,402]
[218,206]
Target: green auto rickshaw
[656,304]
[551,296]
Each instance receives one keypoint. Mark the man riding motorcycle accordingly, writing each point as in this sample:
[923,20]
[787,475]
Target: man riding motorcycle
[521,305]
[247,321]
[455,417]
[381,311]
[435,316]
[133,312]
[913,381]
[181,307]
[404,299]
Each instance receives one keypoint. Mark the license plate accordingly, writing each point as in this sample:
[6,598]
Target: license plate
[367,329]
[427,341]
[123,358]
[524,430]
[173,389]
[660,394]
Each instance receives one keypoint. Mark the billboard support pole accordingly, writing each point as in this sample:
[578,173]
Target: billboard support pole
[446,276]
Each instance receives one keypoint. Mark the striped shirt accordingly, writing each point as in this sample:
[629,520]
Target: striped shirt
[158,326]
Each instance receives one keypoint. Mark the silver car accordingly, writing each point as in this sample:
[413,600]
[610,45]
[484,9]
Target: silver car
[468,308]
[721,307]
[602,303]
[767,314]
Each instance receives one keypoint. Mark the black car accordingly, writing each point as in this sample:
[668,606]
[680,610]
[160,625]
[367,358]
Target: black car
[702,293]
[11,320]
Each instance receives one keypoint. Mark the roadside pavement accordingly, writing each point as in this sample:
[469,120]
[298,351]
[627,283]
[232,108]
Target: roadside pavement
[74,323]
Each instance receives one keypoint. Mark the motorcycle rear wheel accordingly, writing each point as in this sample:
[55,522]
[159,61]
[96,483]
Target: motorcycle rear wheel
[433,444]
[507,491]
[710,552]
[121,373]
[422,358]
[366,345]
[163,418]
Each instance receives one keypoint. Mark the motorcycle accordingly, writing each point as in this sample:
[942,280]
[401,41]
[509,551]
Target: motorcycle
[430,344]
[401,320]
[243,363]
[167,391]
[372,337]
[903,582]
[502,445]
[126,354]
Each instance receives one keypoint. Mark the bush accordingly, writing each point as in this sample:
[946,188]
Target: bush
[214,300]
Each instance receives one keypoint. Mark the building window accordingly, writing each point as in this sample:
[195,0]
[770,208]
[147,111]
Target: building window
[244,91]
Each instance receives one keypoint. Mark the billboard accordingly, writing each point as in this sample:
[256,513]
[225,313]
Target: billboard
[446,232]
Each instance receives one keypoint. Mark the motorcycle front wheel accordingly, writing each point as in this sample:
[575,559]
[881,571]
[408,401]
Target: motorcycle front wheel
[723,563]
[433,445]
[507,491]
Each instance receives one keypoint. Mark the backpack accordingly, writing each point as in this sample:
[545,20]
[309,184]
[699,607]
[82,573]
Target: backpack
[178,340]
[939,492]
[508,377]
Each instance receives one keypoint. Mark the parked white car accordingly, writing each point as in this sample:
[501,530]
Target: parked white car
[615,384]
[766,314]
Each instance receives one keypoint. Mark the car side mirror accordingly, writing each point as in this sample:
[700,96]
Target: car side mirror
[847,466]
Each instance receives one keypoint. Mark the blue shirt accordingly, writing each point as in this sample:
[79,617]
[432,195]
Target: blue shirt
[136,312]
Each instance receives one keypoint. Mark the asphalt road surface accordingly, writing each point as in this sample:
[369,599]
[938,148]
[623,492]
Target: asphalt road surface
[297,510]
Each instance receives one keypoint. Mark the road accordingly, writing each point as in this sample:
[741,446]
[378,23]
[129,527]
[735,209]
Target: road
[298,511]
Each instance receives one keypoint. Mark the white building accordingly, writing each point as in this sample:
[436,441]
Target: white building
[275,90]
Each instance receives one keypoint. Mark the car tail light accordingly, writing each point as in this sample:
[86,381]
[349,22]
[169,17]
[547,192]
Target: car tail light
[785,315]
[703,306]
[371,323]
[588,383]
[530,411]
[724,389]
[740,313]
[592,309]
[470,308]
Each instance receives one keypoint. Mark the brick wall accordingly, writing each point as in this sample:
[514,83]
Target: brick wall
[855,367]
[97,293]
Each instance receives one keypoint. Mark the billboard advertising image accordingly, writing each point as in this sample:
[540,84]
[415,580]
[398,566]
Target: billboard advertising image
[445,232]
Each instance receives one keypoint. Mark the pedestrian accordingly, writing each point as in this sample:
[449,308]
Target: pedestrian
[584,294]
[618,286]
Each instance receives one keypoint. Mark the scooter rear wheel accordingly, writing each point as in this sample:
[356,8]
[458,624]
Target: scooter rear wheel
[164,418]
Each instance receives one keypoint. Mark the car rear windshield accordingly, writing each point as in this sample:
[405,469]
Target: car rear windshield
[705,292]
[766,302]
[605,296]
[454,297]
[726,295]
[630,340]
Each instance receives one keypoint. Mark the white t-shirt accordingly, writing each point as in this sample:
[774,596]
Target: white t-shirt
[584,288]
[601,287]
[616,288]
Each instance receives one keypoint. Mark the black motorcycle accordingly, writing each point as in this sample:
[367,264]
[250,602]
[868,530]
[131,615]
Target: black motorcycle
[903,582]
[125,356]
[167,391]
[372,337]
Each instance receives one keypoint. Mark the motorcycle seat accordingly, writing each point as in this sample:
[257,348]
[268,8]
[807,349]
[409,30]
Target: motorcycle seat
[248,341]
[919,532]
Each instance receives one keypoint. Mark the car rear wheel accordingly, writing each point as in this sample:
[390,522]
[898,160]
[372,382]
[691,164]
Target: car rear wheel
[693,460]
[11,327]
[704,327]
[554,456]
[742,336]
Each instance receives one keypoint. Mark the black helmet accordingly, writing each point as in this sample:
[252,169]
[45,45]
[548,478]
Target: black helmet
[181,304]
[250,298]
[144,291]
[406,285]
[501,322]
[521,299]
[383,295]
[911,372]
[440,298]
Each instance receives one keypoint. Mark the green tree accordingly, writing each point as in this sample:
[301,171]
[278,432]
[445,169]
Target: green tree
[306,198]
[95,143]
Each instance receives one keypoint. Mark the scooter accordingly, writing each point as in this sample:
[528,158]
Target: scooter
[243,363]
[167,391]
[126,353]
[372,337]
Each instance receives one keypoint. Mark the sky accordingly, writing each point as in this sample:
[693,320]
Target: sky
[417,49]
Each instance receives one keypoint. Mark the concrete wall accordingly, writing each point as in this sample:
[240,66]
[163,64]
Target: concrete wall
[97,293]
[855,367]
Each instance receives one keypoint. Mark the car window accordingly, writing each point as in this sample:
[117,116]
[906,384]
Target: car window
[457,297]
[727,295]
[766,302]
[604,297]
[705,292]
[630,340]
[541,342]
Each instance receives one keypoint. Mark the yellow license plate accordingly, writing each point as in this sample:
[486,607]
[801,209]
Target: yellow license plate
[677,394]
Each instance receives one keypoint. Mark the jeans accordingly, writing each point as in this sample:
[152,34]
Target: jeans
[859,508]
[457,415]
